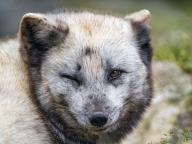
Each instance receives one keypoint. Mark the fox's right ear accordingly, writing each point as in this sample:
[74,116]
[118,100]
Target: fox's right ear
[37,34]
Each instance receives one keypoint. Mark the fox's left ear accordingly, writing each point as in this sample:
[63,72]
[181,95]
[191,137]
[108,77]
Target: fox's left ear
[140,19]
[140,22]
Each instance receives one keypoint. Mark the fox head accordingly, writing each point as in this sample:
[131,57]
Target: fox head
[90,73]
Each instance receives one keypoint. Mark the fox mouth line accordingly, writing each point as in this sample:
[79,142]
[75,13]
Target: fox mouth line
[102,129]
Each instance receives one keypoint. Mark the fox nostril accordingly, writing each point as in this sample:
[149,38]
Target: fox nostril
[98,119]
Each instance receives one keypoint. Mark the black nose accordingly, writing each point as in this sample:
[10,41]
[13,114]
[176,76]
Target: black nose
[98,119]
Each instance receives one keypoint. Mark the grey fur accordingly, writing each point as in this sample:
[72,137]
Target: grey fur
[70,57]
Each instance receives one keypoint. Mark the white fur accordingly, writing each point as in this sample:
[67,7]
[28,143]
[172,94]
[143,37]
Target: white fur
[20,123]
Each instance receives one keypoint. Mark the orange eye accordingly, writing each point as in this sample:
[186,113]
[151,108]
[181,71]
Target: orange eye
[114,74]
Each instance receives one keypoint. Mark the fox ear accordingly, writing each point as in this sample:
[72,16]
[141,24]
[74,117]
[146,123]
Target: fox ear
[37,34]
[139,19]
[140,22]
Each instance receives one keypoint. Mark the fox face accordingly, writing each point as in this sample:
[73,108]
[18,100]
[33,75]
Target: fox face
[89,73]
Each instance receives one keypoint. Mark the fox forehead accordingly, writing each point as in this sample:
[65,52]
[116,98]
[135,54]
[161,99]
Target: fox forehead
[97,36]
[91,27]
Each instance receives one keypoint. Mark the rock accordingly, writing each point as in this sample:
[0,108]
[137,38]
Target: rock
[170,87]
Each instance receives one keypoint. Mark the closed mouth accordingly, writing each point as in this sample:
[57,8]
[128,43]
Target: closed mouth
[102,129]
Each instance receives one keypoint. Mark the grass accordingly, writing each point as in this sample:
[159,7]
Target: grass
[182,133]
[171,36]
[175,47]
[178,136]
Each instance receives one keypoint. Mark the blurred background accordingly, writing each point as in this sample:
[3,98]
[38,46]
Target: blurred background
[169,120]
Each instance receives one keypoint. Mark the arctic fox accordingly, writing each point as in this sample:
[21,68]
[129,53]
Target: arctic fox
[75,78]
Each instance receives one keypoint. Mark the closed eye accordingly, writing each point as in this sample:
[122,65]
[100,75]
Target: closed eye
[70,77]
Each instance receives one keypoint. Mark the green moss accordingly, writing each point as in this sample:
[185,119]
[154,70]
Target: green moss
[178,136]
[175,47]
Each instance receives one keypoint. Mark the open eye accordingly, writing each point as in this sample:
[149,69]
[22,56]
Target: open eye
[114,74]
[70,77]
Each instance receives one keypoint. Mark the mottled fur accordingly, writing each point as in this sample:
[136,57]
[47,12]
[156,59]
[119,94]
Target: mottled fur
[69,57]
